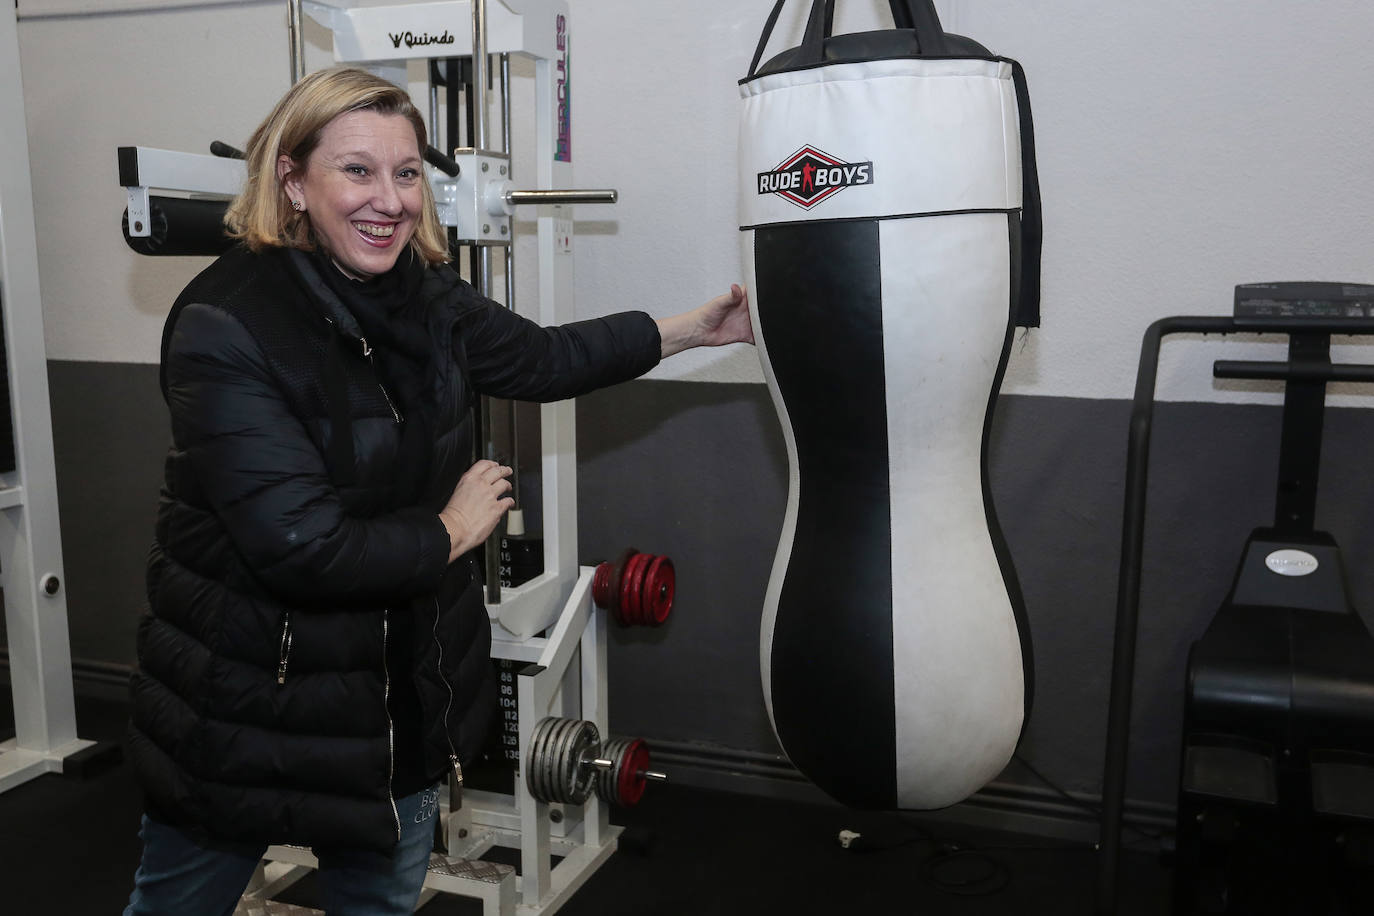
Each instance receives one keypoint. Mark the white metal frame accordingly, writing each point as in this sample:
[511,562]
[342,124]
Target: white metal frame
[567,679]
[203,176]
[30,542]
[420,31]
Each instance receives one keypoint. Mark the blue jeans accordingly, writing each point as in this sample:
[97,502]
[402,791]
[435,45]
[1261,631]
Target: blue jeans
[180,877]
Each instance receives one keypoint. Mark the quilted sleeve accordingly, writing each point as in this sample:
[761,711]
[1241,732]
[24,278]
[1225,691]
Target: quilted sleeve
[511,357]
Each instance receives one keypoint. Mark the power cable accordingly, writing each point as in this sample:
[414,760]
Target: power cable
[1095,810]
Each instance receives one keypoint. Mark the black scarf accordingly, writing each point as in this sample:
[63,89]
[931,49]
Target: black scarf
[392,319]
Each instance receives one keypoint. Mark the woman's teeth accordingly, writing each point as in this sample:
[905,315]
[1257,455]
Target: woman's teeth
[381,232]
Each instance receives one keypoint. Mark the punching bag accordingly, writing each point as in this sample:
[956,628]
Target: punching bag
[889,259]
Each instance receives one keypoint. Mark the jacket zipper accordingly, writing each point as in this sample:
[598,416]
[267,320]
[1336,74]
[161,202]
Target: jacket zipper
[367,351]
[285,647]
[390,726]
[453,803]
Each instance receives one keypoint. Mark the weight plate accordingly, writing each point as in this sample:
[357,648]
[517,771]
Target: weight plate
[624,783]
[630,779]
[559,787]
[552,775]
[660,584]
[636,613]
[601,584]
[572,747]
[615,578]
[613,750]
[582,751]
[545,777]
[536,759]
[625,612]
[532,762]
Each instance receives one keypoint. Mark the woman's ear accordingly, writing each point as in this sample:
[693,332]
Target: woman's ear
[290,178]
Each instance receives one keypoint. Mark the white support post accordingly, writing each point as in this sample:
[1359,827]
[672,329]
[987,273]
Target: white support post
[595,709]
[570,683]
[31,572]
[557,421]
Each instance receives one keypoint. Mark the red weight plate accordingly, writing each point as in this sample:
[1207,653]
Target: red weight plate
[628,615]
[638,611]
[660,583]
[601,584]
[615,585]
[633,764]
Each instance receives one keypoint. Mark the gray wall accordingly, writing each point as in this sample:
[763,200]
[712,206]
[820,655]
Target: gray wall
[698,472]
[110,435]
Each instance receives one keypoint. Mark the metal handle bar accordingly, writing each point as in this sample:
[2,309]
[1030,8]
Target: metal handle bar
[1287,372]
[522,198]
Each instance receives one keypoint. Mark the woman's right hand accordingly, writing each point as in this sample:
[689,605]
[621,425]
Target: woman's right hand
[477,504]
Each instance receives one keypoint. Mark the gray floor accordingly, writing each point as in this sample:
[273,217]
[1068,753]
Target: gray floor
[69,846]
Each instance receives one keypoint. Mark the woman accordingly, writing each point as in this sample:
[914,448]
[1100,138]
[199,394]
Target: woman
[315,658]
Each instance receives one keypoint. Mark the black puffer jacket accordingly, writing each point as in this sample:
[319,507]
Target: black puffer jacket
[282,555]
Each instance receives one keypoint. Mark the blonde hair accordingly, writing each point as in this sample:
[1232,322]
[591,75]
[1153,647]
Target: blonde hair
[262,217]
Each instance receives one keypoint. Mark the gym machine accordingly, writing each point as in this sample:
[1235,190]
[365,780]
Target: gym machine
[549,626]
[1276,784]
[31,576]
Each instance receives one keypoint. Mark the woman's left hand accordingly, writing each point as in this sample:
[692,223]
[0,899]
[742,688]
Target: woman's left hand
[723,320]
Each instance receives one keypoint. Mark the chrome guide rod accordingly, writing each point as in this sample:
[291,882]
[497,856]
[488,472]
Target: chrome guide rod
[482,278]
[434,113]
[507,147]
[295,36]
[480,76]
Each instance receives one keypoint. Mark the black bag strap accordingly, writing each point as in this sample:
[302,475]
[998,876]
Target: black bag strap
[1032,228]
[767,34]
[918,15]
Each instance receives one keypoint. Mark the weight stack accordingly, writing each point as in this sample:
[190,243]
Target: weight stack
[522,558]
[888,258]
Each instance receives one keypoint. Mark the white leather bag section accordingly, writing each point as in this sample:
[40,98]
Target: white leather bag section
[959,683]
[942,136]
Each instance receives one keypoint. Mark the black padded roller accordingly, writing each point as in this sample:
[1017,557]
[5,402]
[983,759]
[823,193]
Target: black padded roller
[180,226]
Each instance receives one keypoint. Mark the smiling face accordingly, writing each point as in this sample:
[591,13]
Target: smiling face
[361,190]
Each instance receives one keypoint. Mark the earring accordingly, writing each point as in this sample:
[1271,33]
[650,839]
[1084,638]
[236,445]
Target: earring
[296,205]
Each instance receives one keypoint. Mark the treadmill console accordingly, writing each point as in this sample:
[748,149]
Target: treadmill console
[1304,300]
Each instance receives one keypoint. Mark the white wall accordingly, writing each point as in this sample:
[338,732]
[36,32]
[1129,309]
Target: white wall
[1184,147]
